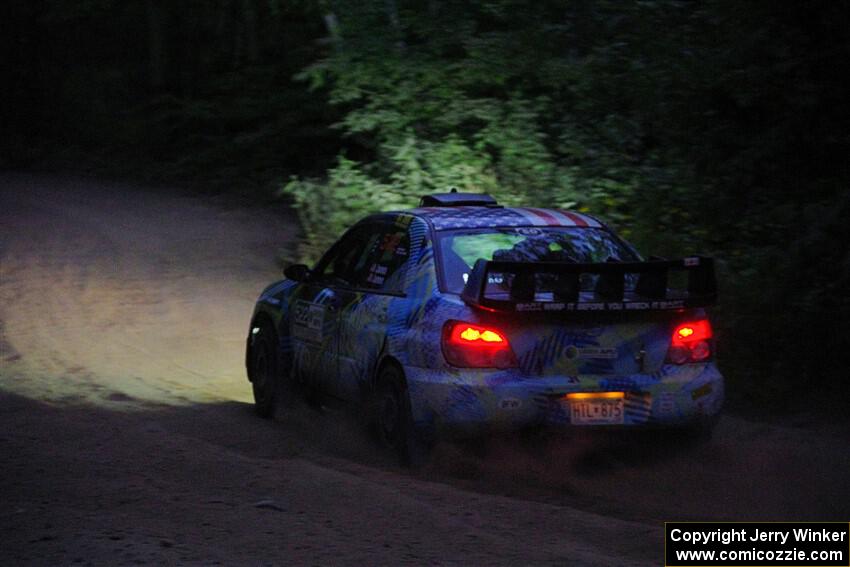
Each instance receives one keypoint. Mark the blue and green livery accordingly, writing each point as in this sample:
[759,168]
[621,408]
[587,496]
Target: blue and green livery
[465,316]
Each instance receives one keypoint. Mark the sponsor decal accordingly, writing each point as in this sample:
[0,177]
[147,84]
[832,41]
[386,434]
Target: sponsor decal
[307,320]
[510,403]
[528,231]
[625,305]
[668,304]
[403,220]
[702,391]
[377,274]
[666,403]
[597,352]
[596,306]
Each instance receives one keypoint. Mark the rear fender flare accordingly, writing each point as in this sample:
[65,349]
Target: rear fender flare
[383,358]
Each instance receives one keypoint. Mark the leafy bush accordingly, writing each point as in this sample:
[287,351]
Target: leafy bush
[327,209]
[711,127]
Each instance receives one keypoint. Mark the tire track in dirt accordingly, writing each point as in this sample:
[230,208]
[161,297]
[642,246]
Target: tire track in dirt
[149,292]
[125,436]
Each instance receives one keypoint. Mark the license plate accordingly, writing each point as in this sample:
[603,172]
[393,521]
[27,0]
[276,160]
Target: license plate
[602,409]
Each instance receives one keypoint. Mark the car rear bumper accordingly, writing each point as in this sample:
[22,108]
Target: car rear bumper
[473,400]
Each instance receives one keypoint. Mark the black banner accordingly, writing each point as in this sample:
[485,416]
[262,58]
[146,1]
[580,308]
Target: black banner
[757,544]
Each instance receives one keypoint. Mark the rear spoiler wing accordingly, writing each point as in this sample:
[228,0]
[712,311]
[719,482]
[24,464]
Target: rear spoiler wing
[650,292]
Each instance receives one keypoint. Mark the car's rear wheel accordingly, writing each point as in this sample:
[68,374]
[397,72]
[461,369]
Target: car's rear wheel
[393,418]
[265,377]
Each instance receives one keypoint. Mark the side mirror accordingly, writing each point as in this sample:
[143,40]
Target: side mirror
[297,272]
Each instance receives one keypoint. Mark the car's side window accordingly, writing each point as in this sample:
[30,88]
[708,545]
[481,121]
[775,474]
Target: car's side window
[387,249]
[336,265]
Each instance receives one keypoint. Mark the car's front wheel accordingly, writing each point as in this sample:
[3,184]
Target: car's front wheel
[265,378]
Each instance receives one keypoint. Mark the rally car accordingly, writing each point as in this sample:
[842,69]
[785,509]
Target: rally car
[466,316]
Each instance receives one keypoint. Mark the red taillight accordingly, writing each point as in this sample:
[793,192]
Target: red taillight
[691,342]
[469,345]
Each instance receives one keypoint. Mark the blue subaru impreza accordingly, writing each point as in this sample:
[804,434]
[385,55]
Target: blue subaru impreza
[463,315]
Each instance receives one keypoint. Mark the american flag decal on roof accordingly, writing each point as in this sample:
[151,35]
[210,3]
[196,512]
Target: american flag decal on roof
[447,218]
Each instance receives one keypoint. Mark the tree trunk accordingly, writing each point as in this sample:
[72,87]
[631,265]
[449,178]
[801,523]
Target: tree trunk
[250,13]
[395,23]
[332,25]
[156,43]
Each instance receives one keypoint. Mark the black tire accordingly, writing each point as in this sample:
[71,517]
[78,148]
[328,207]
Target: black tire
[265,377]
[394,421]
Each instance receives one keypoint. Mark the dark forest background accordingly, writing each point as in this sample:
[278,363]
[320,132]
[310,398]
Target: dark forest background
[718,127]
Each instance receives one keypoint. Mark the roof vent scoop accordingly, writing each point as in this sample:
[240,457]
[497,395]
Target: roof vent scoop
[455,199]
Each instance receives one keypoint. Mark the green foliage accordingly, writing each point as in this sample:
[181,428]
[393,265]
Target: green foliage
[717,127]
[326,209]
[488,99]
[704,127]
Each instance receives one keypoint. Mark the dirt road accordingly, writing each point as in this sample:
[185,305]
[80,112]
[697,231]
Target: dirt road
[126,436]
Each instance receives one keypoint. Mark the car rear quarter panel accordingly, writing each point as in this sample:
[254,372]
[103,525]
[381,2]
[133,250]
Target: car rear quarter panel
[511,398]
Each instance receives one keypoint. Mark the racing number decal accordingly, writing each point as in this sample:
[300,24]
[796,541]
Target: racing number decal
[308,319]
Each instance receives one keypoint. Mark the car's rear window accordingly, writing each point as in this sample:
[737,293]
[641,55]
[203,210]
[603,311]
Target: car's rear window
[460,249]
